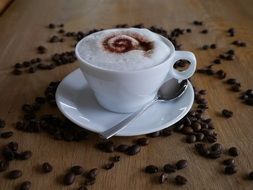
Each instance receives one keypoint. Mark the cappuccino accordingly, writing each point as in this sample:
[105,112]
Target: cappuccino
[121,49]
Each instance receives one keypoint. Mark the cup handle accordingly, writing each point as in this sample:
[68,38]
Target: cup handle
[181,75]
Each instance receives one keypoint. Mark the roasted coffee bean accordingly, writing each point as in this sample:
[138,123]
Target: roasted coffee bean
[46,167]
[217,61]
[196,126]
[13,146]
[200,136]
[14,174]
[169,168]
[188,30]
[191,139]
[7,134]
[115,158]
[154,134]
[249,101]
[151,169]
[231,81]
[163,177]
[69,178]
[187,130]
[109,166]
[122,148]
[51,26]
[226,113]
[231,169]
[251,175]
[216,147]
[229,161]
[142,141]
[221,74]
[77,170]
[134,149]
[26,185]
[89,182]
[82,188]
[233,151]
[180,180]
[166,132]
[25,155]
[92,174]
[198,23]
[4,165]
[213,46]
[41,49]
[181,164]
[8,154]
[2,123]
[17,72]
[204,47]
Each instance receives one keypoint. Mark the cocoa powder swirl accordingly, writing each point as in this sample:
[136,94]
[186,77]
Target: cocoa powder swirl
[121,43]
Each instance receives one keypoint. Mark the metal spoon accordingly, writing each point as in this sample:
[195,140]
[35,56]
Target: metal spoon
[164,94]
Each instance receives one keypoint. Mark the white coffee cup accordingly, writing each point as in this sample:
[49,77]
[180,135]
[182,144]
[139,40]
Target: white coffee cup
[127,91]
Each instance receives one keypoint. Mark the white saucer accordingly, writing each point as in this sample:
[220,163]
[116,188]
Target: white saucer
[77,102]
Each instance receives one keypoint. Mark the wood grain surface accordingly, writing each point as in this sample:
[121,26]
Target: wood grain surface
[23,28]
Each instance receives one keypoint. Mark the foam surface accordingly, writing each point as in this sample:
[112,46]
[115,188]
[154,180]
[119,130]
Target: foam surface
[93,50]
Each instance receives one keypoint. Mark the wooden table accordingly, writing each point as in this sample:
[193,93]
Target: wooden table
[23,29]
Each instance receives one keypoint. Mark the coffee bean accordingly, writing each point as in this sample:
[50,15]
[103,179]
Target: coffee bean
[181,164]
[14,174]
[51,26]
[229,161]
[115,158]
[200,136]
[191,139]
[188,30]
[151,169]
[122,148]
[205,31]
[13,146]
[109,166]
[196,126]
[26,185]
[233,151]
[69,178]
[82,188]
[163,177]
[134,149]
[142,141]
[92,174]
[46,167]
[7,134]
[154,134]
[198,23]
[77,170]
[180,180]
[41,49]
[216,147]
[166,132]
[226,113]
[221,74]
[231,169]
[187,130]
[251,175]
[4,165]
[169,168]
[2,123]
[25,155]
[204,47]
[213,46]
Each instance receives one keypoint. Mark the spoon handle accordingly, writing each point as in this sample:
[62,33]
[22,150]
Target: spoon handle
[124,123]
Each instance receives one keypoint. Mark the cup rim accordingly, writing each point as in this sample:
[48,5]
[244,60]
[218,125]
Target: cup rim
[83,61]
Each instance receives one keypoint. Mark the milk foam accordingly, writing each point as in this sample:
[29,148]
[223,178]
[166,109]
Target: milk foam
[96,49]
